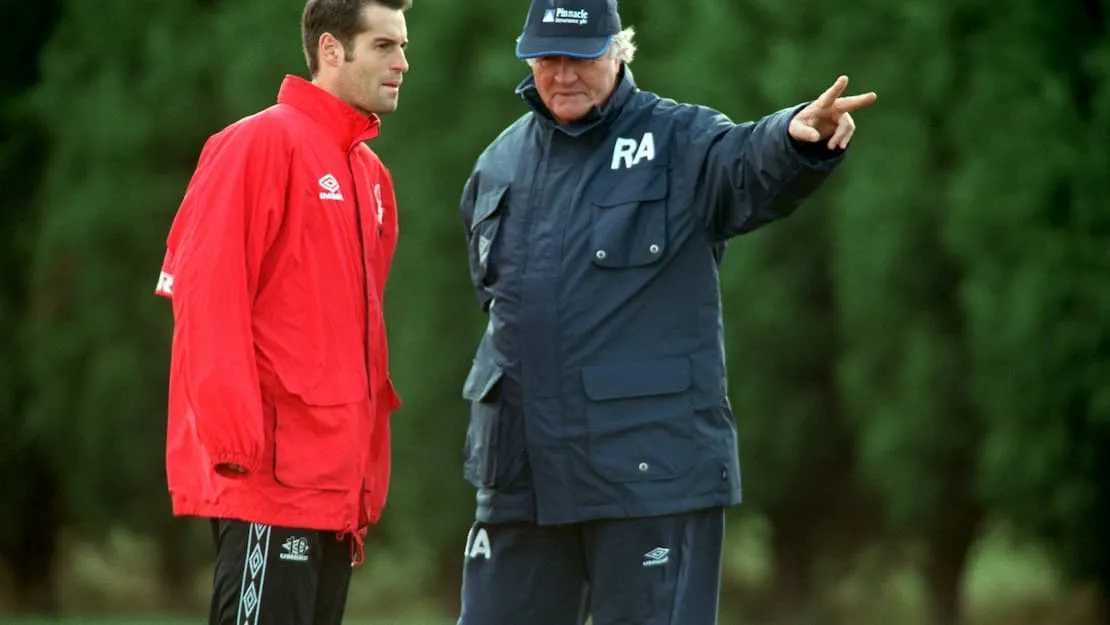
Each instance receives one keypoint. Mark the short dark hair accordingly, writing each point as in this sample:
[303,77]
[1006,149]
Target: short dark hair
[341,18]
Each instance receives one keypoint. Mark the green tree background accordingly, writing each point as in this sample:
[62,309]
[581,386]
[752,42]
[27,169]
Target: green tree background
[919,359]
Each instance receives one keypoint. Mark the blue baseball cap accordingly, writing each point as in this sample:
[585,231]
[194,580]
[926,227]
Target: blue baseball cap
[577,28]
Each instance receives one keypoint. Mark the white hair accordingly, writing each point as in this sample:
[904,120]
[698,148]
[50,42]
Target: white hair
[622,47]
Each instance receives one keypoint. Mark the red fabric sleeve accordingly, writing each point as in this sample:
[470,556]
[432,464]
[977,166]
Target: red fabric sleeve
[226,222]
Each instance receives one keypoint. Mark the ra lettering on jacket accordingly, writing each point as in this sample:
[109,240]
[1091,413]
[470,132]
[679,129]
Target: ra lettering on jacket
[629,152]
[164,286]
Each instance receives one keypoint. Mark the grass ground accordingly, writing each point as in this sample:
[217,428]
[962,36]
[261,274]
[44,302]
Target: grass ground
[1006,584]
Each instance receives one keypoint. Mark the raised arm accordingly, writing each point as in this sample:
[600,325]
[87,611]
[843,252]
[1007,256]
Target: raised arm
[750,174]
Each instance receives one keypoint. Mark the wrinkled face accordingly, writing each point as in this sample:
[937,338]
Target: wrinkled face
[571,87]
[369,72]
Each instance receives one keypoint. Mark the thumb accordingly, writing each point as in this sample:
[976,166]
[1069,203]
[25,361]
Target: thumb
[804,132]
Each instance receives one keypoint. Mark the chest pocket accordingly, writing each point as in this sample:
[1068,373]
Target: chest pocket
[630,222]
[484,227]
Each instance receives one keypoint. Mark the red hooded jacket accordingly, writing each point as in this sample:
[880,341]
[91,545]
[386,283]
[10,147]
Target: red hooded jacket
[276,264]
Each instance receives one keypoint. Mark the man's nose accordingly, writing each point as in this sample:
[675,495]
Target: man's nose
[401,63]
[566,71]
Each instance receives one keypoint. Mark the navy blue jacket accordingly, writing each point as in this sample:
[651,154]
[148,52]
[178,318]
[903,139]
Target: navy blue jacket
[598,389]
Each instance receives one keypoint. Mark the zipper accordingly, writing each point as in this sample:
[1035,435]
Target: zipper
[535,200]
[366,322]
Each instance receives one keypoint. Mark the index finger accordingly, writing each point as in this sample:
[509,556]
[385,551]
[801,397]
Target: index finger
[853,102]
[830,95]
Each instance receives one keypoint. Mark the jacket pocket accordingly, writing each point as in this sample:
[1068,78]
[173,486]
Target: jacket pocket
[485,225]
[315,442]
[639,419]
[482,448]
[629,226]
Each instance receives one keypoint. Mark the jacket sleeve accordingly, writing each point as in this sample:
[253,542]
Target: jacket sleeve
[753,173]
[215,249]
[477,275]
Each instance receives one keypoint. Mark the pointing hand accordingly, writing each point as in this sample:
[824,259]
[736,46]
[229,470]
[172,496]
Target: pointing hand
[829,116]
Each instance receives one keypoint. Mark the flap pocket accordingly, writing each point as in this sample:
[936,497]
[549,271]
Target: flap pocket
[487,203]
[630,222]
[315,444]
[637,379]
[640,420]
[485,224]
[483,378]
[648,188]
[494,449]
[323,390]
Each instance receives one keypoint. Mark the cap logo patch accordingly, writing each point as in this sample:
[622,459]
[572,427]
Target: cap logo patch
[566,16]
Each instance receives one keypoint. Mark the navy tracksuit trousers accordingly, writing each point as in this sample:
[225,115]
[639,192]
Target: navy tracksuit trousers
[646,571]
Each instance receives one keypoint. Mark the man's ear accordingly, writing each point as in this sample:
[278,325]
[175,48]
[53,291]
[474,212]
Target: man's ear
[330,50]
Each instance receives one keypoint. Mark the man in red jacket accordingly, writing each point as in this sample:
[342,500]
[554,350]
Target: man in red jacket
[276,262]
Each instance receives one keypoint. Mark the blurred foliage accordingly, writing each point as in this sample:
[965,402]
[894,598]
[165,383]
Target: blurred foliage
[922,348]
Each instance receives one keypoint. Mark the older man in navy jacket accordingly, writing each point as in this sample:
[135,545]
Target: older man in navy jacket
[601,438]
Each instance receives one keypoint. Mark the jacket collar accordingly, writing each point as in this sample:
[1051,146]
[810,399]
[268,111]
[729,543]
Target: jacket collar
[626,86]
[345,124]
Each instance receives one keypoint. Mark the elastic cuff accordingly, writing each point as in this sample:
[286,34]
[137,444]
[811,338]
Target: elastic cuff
[814,155]
[248,462]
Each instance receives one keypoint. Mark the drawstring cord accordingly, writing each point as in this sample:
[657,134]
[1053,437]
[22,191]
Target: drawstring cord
[356,547]
[357,550]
